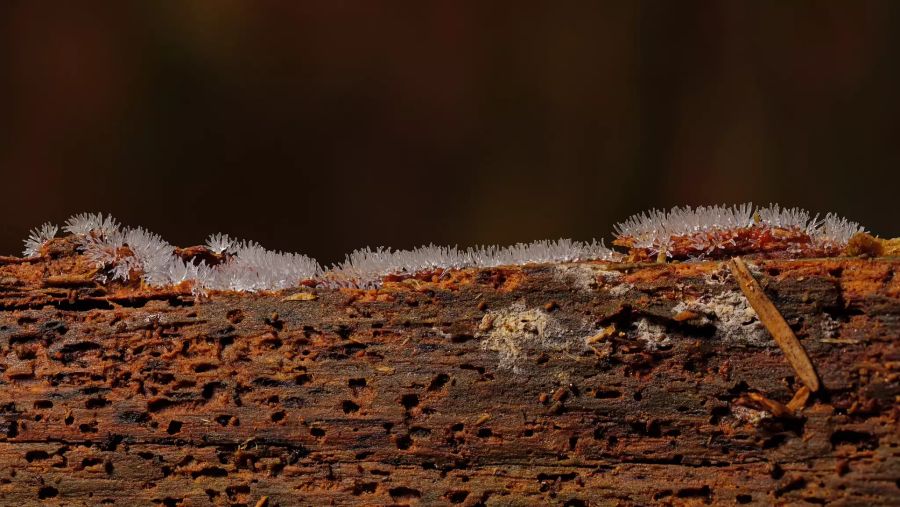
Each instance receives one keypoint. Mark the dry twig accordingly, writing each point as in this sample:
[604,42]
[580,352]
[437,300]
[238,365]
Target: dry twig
[775,323]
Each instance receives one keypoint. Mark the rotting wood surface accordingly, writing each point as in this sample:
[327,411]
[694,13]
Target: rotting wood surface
[569,384]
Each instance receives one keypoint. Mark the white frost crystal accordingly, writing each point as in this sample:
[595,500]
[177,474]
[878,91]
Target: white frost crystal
[37,238]
[709,226]
[366,268]
[247,266]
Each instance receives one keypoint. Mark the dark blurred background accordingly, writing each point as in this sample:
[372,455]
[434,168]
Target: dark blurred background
[323,127]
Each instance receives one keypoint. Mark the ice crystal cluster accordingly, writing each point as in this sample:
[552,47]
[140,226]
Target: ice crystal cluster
[365,268]
[37,237]
[705,229]
[250,267]
[127,253]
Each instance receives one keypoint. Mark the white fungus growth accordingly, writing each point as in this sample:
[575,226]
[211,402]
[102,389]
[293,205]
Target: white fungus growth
[220,243]
[721,275]
[132,250]
[124,253]
[102,248]
[787,218]
[37,237]
[512,331]
[150,255]
[837,230]
[177,271]
[585,277]
[253,268]
[654,335]
[712,227]
[621,289]
[538,252]
[655,228]
[366,268]
[83,223]
[830,327]
[748,415]
[731,314]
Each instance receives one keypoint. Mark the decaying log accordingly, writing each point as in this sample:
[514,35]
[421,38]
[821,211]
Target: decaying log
[573,384]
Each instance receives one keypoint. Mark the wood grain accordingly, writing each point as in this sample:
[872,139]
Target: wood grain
[115,394]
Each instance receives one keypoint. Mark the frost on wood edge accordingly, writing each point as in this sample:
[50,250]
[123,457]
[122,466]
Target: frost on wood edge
[126,252]
[705,230]
[366,267]
[37,237]
[123,252]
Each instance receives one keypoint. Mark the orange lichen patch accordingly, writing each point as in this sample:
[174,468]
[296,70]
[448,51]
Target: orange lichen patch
[891,247]
[863,243]
[858,277]
[508,279]
[70,280]
[892,287]
[447,279]
[503,279]
[655,272]
[454,279]
[23,274]
[864,278]
[38,275]
[59,262]
[694,269]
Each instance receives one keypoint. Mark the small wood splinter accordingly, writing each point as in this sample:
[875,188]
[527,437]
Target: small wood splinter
[799,400]
[775,324]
